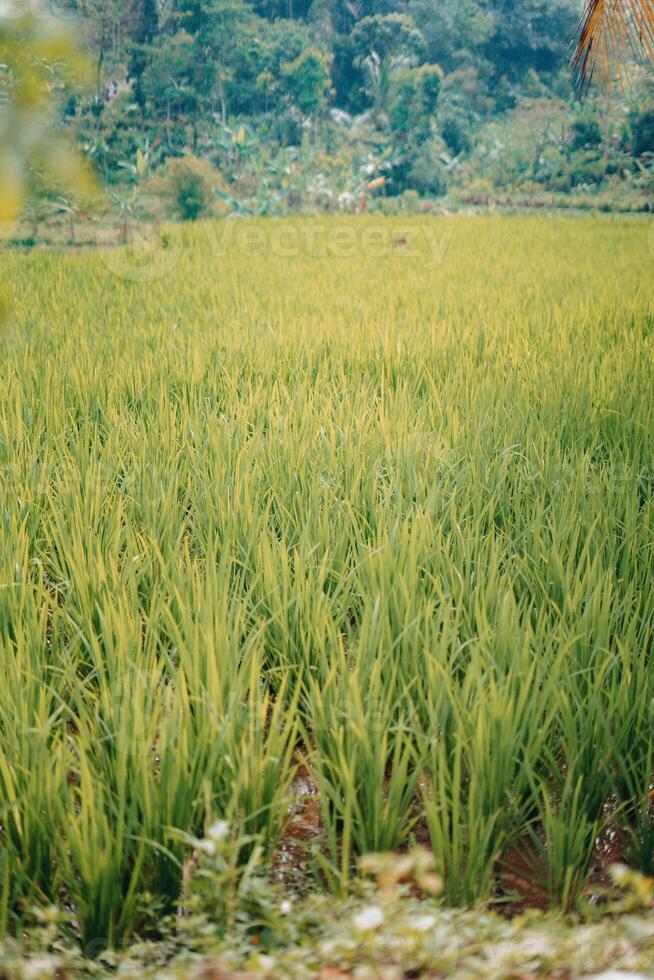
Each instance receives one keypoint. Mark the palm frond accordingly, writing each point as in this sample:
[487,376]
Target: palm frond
[609,29]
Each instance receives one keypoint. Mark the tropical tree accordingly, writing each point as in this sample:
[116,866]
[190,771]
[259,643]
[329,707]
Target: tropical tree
[609,29]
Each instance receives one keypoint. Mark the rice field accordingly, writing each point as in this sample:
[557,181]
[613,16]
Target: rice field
[340,531]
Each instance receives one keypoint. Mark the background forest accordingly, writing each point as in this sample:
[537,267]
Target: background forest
[268,106]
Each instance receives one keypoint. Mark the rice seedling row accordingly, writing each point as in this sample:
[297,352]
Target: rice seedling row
[387,516]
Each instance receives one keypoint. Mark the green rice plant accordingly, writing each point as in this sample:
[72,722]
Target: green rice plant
[34,755]
[634,767]
[481,754]
[102,859]
[636,818]
[33,773]
[364,757]
[562,852]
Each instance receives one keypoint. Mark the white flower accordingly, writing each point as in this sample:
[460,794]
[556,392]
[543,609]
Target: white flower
[285,908]
[207,847]
[39,967]
[619,975]
[369,918]
[218,830]
[537,945]
[424,923]
[265,963]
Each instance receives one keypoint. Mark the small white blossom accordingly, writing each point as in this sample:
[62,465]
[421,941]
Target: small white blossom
[218,830]
[39,967]
[369,918]
[424,923]
[285,908]
[619,975]
[264,963]
[207,847]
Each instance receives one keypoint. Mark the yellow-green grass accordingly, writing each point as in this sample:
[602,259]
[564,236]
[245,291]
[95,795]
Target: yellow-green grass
[376,495]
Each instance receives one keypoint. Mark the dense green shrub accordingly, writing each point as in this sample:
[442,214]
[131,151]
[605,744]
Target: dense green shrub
[586,168]
[431,80]
[307,79]
[643,131]
[427,173]
[585,132]
[456,130]
[189,184]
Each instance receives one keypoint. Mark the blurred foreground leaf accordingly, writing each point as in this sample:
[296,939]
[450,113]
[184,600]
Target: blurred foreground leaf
[36,54]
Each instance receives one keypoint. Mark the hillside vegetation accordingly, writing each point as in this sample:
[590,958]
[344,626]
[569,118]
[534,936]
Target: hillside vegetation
[289,105]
